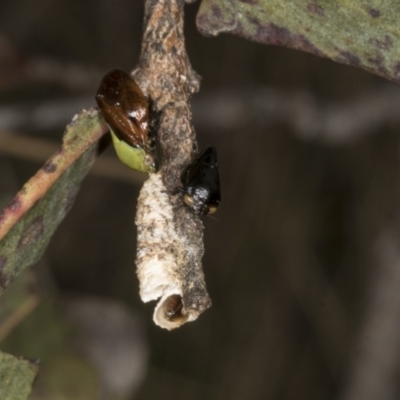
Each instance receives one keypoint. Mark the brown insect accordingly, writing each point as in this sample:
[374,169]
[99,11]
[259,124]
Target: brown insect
[173,308]
[126,111]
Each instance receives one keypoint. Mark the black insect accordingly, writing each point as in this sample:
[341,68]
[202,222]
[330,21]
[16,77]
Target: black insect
[200,180]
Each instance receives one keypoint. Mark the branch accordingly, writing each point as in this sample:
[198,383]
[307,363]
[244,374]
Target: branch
[225,110]
[34,149]
[170,237]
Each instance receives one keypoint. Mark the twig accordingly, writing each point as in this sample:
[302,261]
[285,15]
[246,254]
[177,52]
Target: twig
[170,237]
[18,68]
[252,108]
[33,149]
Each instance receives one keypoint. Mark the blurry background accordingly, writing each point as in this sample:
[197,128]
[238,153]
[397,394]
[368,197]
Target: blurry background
[302,260]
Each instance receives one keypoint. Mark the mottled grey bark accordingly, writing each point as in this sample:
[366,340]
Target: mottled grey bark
[167,78]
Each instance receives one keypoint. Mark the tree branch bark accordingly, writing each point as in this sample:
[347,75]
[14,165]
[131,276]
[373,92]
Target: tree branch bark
[170,237]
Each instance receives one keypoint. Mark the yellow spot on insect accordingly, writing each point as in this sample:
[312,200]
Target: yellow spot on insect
[189,201]
[212,209]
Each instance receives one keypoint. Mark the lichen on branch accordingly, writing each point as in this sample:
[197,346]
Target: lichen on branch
[165,75]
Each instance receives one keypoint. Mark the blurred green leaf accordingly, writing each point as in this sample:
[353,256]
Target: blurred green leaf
[16,377]
[29,221]
[17,303]
[362,33]
[63,375]
[47,327]
[66,377]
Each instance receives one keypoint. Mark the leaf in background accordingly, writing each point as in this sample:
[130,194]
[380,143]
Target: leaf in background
[64,374]
[66,377]
[16,377]
[17,303]
[29,221]
[362,33]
